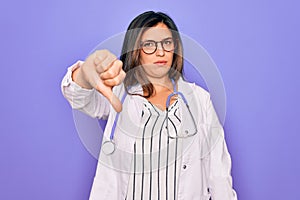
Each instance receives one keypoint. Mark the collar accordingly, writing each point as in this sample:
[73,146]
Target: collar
[183,86]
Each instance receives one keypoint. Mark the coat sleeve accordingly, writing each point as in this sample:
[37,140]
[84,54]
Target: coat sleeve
[90,102]
[219,160]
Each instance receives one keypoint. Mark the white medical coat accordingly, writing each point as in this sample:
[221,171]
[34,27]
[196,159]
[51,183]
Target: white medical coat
[206,164]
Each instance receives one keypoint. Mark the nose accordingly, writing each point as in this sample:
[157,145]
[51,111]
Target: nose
[160,50]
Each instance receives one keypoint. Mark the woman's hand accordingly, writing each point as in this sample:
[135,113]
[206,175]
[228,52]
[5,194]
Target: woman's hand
[102,71]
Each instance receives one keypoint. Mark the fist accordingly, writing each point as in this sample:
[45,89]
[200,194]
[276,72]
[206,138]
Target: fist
[102,71]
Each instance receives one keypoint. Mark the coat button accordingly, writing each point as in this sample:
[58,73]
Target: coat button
[184,167]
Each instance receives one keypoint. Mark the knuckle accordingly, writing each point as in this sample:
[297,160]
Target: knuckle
[111,73]
[120,78]
[99,69]
[106,51]
[123,74]
[118,63]
[104,60]
[102,51]
[110,82]
[102,54]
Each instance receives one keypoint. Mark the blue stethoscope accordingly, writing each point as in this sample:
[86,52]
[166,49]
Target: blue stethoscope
[109,146]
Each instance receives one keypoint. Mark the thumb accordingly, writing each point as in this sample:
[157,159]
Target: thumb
[112,98]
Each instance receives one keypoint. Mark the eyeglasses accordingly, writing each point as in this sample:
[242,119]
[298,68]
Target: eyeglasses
[150,46]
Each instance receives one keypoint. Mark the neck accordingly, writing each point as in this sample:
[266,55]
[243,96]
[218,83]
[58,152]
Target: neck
[161,84]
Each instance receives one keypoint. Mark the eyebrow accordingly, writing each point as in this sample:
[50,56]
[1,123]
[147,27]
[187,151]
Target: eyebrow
[157,41]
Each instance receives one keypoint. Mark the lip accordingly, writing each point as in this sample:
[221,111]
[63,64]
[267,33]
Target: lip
[161,62]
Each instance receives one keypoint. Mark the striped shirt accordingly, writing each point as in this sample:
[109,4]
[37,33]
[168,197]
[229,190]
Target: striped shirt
[156,155]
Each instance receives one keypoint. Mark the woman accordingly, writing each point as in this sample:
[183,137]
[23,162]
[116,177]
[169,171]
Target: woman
[163,139]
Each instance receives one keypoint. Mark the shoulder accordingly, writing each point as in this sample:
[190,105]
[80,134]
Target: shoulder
[193,89]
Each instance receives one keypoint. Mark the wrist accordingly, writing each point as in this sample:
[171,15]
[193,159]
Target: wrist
[78,78]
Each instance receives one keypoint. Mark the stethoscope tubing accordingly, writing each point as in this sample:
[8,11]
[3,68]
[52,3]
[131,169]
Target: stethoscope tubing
[110,144]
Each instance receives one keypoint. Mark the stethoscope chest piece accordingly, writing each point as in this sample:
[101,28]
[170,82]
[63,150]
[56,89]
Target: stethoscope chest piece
[108,147]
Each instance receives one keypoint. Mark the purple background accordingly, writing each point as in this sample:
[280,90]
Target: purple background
[255,45]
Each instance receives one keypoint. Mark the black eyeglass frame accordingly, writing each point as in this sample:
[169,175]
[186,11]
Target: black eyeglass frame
[161,43]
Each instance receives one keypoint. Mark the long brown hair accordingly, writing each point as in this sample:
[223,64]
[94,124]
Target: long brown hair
[130,55]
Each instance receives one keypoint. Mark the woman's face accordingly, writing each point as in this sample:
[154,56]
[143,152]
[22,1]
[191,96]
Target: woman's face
[157,64]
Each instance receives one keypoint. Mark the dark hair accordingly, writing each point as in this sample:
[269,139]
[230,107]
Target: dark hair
[130,55]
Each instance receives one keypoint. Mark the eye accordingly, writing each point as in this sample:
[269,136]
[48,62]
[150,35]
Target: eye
[168,42]
[148,44]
